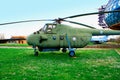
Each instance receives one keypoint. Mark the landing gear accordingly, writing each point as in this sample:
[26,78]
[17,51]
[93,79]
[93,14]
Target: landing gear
[64,50]
[35,51]
[71,52]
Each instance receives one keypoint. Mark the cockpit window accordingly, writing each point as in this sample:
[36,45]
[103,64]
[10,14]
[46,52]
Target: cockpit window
[48,27]
[43,28]
[54,26]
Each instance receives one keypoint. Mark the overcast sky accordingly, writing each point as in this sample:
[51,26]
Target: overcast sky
[17,10]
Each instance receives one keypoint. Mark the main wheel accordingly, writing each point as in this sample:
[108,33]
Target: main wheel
[64,50]
[40,49]
[71,53]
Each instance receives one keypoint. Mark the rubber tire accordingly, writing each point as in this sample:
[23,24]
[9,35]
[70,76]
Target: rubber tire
[36,54]
[71,53]
[40,49]
[64,50]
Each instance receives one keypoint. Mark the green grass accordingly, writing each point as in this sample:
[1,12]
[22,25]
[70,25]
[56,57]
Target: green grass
[14,45]
[20,64]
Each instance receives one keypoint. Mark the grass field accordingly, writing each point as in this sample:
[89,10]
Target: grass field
[20,64]
[14,45]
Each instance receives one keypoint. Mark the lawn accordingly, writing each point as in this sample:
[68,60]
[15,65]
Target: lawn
[20,64]
[14,45]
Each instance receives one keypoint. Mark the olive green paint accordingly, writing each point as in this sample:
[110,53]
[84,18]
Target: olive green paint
[61,36]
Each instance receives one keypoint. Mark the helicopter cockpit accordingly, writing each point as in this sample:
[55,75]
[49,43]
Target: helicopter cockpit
[48,28]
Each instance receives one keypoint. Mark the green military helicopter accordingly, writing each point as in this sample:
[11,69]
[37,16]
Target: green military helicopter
[56,35]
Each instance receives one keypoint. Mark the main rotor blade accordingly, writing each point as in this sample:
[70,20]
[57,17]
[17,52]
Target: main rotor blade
[79,24]
[86,14]
[26,21]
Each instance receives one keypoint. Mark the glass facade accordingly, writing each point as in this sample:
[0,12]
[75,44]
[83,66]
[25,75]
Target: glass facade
[112,18]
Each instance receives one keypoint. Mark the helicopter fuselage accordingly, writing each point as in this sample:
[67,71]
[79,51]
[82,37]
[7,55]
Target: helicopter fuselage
[59,37]
[56,36]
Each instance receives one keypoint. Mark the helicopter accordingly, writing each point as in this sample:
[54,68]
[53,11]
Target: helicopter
[54,36]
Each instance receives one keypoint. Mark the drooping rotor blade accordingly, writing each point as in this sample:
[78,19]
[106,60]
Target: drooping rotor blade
[26,21]
[86,14]
[79,24]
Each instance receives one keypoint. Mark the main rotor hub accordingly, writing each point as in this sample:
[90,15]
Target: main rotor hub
[59,20]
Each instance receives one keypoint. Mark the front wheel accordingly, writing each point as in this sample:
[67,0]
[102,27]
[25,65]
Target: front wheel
[36,53]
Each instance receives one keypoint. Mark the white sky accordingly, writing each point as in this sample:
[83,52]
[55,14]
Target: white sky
[17,10]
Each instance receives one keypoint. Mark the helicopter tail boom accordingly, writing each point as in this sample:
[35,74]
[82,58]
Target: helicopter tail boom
[96,32]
